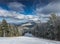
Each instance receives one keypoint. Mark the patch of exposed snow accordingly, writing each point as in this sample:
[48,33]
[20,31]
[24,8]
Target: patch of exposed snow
[26,40]
[28,35]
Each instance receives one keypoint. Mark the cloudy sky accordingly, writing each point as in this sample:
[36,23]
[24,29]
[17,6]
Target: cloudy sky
[26,10]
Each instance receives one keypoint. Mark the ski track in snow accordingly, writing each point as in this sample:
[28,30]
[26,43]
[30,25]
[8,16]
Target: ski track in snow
[26,40]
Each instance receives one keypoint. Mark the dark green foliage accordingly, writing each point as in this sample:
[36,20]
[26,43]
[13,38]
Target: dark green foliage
[50,29]
[7,30]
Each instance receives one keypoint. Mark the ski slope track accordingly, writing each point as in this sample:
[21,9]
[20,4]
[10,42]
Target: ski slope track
[26,40]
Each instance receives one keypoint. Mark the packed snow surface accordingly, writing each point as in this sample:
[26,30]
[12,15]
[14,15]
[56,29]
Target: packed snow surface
[26,40]
[28,35]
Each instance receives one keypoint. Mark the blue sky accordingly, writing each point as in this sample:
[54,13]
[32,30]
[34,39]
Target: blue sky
[25,10]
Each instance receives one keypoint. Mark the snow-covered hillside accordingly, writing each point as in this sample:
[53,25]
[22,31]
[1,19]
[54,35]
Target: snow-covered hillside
[26,40]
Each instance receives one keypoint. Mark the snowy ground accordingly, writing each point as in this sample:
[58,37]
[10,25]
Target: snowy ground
[28,35]
[25,40]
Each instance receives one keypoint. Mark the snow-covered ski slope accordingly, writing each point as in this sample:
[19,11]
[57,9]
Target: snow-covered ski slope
[25,40]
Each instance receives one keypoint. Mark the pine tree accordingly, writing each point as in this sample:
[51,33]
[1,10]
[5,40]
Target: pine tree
[0,31]
[5,30]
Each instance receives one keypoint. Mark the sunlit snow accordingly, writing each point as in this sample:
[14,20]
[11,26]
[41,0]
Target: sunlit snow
[25,40]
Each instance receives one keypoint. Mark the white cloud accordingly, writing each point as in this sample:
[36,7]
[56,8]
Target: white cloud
[13,14]
[53,7]
[33,17]
[16,6]
[16,16]
[5,13]
[44,12]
